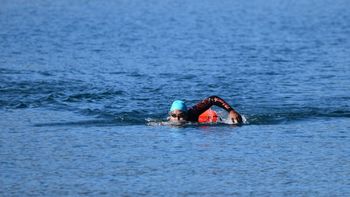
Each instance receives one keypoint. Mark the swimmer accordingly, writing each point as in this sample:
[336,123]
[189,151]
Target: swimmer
[179,112]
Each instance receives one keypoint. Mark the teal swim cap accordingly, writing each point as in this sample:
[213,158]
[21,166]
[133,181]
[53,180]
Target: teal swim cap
[178,105]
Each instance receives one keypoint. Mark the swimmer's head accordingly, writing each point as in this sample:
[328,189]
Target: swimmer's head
[178,111]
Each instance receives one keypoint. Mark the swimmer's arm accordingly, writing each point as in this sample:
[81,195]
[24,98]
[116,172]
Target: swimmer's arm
[233,114]
[217,101]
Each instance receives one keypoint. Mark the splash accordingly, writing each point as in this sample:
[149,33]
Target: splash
[221,122]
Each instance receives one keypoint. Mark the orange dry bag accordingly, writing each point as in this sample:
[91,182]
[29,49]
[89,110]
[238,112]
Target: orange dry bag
[208,116]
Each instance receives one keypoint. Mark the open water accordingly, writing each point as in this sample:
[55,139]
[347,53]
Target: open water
[85,86]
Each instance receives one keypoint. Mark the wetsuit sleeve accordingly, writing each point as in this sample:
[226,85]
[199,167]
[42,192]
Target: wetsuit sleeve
[205,104]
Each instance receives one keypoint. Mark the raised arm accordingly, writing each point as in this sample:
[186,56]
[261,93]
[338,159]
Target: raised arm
[205,104]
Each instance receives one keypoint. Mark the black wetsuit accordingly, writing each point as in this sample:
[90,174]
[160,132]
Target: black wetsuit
[195,111]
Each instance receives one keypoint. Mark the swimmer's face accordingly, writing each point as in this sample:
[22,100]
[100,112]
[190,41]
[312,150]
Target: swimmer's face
[177,116]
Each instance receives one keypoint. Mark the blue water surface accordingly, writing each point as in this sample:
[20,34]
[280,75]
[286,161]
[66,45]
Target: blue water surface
[85,87]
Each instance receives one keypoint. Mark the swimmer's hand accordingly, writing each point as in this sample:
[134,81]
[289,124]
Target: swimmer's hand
[235,117]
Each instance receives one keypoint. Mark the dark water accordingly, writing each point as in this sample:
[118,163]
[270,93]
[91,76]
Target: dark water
[80,82]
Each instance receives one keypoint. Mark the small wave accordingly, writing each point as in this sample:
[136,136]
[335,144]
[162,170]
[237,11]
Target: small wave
[93,96]
[339,113]
[99,123]
[284,117]
[42,94]
[110,118]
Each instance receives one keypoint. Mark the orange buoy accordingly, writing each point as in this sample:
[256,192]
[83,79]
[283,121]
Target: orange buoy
[208,116]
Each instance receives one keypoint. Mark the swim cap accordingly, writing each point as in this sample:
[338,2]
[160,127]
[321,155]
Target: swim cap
[178,105]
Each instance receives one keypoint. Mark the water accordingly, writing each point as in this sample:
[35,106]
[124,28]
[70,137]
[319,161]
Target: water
[80,83]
